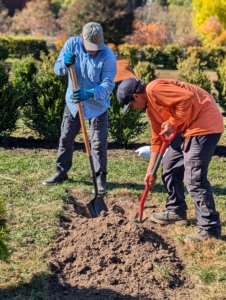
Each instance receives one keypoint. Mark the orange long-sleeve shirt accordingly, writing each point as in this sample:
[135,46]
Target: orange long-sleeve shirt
[189,109]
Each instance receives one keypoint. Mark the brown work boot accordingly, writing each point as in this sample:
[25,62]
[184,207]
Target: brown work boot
[58,177]
[201,235]
[170,217]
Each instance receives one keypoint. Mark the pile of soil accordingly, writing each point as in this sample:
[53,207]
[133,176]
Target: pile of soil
[113,256]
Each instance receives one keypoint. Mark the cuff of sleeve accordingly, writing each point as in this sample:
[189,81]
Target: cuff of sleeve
[155,148]
[172,122]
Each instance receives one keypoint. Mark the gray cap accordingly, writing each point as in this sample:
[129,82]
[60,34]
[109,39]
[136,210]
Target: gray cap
[93,36]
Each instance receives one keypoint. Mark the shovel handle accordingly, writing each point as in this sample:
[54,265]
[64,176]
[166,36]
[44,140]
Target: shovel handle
[81,117]
[166,141]
[162,150]
[142,201]
[85,136]
[165,144]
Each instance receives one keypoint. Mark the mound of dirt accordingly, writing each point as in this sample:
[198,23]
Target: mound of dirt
[113,257]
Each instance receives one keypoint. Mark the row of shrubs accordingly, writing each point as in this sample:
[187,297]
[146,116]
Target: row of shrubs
[35,94]
[32,92]
[166,57]
[16,47]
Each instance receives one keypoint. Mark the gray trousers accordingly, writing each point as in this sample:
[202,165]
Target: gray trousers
[70,127]
[191,165]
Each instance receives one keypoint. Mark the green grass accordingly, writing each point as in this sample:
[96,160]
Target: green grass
[34,210]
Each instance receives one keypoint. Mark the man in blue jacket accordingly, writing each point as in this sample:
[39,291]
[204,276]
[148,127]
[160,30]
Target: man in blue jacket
[95,68]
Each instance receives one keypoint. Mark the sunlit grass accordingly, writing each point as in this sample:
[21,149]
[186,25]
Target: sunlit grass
[34,209]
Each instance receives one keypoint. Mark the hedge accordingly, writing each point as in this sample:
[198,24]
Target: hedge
[22,46]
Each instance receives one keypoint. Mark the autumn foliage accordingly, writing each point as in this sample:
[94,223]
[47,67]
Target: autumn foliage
[213,32]
[35,19]
[210,20]
[152,33]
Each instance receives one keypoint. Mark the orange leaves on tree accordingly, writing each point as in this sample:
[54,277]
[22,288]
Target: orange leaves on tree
[212,28]
[154,34]
[221,39]
[35,19]
[213,32]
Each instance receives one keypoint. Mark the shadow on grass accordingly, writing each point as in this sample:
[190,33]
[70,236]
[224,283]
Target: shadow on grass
[32,290]
[159,188]
[31,143]
[43,287]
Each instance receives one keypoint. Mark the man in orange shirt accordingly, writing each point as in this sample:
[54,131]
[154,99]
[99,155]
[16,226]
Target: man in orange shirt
[174,105]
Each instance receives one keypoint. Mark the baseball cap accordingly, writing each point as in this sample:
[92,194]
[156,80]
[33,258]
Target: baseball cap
[125,91]
[93,36]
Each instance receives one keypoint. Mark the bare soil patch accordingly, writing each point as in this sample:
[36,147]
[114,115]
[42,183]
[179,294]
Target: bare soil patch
[113,257]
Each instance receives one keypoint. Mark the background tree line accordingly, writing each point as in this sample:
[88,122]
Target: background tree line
[141,22]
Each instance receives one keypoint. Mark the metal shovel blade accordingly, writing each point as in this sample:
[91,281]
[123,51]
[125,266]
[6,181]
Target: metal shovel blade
[96,205]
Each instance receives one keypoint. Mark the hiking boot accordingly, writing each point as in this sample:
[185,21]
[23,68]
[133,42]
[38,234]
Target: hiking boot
[170,217]
[101,184]
[58,177]
[201,235]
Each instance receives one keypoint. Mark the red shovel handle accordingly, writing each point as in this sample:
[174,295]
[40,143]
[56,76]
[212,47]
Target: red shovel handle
[165,144]
[166,141]
[169,138]
[142,200]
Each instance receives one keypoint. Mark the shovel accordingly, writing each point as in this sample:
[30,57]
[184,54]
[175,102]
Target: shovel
[96,204]
[162,150]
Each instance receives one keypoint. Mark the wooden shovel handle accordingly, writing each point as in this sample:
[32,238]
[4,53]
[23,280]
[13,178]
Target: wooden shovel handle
[81,117]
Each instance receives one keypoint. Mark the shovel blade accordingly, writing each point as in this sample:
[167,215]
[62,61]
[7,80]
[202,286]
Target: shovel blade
[96,206]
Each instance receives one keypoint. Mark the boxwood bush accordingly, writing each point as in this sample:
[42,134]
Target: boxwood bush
[45,109]
[220,84]
[9,103]
[191,70]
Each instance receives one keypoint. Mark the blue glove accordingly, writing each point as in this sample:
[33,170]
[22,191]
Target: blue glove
[69,59]
[81,94]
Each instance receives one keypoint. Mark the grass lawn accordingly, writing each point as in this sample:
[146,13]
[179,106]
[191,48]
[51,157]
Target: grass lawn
[34,211]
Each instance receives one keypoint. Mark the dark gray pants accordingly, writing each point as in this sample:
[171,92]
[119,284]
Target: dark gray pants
[193,165]
[70,127]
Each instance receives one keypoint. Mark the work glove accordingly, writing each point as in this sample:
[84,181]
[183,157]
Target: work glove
[69,59]
[81,94]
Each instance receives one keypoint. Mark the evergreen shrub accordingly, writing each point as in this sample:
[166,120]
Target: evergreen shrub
[44,114]
[129,52]
[9,104]
[199,53]
[145,70]
[172,54]
[220,84]
[125,128]
[3,52]
[22,46]
[214,56]
[191,70]
[23,71]
[151,54]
